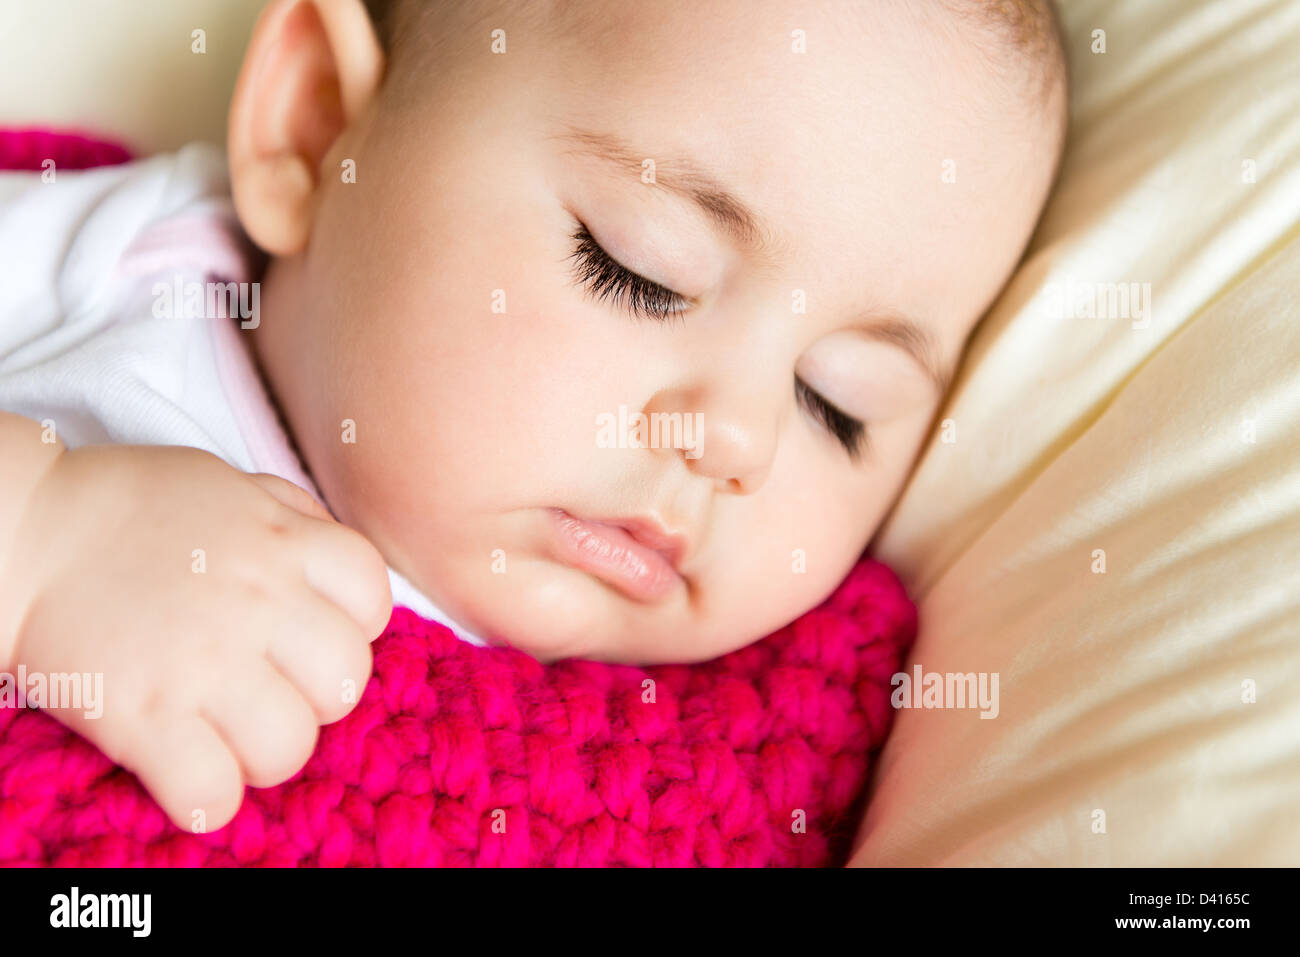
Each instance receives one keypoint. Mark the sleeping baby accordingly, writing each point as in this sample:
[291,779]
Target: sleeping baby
[597,329]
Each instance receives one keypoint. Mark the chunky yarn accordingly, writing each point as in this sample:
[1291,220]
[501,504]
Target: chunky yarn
[459,755]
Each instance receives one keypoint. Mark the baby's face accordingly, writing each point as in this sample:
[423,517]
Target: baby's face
[816,233]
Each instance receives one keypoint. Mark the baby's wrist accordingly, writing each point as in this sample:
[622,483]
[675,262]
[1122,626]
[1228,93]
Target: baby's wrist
[30,451]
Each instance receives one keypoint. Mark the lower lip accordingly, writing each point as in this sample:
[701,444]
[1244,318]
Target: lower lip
[613,556]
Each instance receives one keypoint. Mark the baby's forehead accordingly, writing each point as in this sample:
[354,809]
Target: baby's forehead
[878,137]
[1021,40]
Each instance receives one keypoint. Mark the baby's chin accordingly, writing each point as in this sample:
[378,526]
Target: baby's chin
[552,612]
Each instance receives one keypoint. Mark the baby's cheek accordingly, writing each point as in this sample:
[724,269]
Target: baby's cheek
[763,583]
[550,612]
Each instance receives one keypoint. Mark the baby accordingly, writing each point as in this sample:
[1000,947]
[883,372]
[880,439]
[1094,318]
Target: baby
[601,329]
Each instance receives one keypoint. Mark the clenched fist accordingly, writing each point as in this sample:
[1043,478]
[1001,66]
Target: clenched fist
[229,615]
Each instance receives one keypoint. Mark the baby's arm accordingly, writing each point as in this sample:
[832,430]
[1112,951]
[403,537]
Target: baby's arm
[228,614]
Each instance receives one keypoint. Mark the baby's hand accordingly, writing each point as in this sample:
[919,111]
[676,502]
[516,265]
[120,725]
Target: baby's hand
[229,615]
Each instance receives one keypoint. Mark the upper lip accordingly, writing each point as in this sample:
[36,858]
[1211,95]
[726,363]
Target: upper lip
[650,531]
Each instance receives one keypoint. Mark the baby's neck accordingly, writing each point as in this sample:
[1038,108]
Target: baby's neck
[268,344]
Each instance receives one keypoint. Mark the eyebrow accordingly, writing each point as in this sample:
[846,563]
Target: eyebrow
[687,178]
[914,339]
[683,176]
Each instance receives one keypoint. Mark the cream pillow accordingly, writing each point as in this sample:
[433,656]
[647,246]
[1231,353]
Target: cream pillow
[1148,713]
[123,68]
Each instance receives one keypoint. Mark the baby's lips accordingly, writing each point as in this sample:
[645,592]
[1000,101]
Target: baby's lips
[611,553]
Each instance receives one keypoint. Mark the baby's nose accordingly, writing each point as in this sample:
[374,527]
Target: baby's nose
[726,433]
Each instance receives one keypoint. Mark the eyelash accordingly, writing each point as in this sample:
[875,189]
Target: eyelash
[851,433]
[608,280]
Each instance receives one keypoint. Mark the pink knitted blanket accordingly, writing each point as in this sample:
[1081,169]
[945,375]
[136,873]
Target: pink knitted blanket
[459,755]
[29,149]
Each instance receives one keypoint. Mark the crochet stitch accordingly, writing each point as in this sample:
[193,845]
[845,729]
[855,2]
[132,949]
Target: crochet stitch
[459,755]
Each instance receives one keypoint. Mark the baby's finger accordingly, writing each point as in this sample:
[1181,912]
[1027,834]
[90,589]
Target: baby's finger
[323,652]
[188,769]
[267,723]
[344,567]
[295,497]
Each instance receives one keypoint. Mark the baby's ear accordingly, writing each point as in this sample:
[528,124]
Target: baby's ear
[311,68]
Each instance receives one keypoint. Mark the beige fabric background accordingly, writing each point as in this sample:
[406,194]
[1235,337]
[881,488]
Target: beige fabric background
[124,67]
[1121,692]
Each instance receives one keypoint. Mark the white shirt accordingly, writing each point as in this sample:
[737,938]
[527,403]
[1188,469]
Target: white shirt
[108,282]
